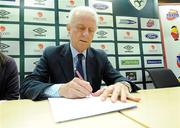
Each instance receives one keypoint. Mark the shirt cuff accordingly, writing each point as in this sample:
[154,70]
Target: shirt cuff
[53,91]
[127,84]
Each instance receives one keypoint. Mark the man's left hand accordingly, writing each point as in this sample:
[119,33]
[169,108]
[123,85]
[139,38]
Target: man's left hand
[117,91]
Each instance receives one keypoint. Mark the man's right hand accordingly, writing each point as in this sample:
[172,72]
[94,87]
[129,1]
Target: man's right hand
[76,88]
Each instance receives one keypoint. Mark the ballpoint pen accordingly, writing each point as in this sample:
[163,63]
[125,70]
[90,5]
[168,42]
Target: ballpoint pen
[78,74]
[80,77]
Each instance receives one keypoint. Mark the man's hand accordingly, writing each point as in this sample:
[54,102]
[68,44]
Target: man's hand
[118,91]
[76,88]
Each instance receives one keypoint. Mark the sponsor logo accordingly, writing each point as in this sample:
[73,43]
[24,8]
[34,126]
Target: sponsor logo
[152,48]
[67,16]
[178,61]
[172,14]
[126,21]
[101,19]
[150,23]
[72,2]
[128,48]
[129,62]
[175,33]
[40,2]
[100,6]
[151,36]
[7,0]
[39,48]
[131,76]
[138,4]
[3,31]
[35,62]
[40,17]
[3,47]
[2,28]
[103,46]
[40,32]
[40,45]
[3,14]
[39,14]
[101,34]
[128,35]
[158,61]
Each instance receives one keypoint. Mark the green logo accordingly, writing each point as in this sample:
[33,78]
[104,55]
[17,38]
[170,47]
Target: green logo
[129,62]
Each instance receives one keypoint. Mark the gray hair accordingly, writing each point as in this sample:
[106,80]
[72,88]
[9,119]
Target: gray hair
[82,9]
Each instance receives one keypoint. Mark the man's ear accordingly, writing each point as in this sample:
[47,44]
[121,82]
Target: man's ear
[68,28]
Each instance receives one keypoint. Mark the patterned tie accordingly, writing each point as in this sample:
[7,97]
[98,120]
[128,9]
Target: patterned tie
[79,67]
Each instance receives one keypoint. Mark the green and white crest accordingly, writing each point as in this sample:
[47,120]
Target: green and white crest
[138,4]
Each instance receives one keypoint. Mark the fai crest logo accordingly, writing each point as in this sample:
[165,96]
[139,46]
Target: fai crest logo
[138,4]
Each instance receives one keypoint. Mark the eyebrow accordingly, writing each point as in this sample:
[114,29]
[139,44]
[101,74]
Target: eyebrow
[94,28]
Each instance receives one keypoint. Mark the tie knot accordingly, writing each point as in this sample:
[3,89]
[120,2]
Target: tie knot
[80,56]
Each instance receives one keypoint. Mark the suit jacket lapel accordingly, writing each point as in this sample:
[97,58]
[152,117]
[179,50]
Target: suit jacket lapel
[66,62]
[90,66]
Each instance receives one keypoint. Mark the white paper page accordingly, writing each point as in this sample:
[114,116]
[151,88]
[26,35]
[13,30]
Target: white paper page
[2,101]
[68,109]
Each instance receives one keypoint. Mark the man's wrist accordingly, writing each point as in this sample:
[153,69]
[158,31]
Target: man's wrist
[53,91]
[127,84]
[61,91]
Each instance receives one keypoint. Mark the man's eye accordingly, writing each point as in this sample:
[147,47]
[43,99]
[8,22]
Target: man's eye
[81,28]
[91,30]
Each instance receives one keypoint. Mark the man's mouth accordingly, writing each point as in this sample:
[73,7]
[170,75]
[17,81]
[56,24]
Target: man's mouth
[84,41]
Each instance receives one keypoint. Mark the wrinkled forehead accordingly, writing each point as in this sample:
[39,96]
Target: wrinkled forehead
[84,18]
[80,13]
[84,15]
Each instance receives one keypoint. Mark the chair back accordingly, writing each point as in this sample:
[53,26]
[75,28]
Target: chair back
[162,78]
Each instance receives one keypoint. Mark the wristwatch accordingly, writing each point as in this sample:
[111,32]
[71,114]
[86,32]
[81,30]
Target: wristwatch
[127,84]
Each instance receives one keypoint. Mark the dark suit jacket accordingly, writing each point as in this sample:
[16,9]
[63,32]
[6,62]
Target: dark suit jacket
[56,66]
[9,82]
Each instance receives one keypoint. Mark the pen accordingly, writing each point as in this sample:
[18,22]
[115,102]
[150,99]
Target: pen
[79,75]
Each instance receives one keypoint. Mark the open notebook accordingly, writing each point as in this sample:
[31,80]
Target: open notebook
[68,109]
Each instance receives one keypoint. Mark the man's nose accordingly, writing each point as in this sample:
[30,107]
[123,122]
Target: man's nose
[86,32]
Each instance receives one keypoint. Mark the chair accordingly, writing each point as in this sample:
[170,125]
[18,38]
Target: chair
[163,78]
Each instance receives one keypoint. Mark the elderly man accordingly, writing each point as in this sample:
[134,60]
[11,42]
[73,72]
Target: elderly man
[75,70]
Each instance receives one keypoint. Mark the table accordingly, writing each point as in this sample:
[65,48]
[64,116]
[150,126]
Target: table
[30,114]
[159,108]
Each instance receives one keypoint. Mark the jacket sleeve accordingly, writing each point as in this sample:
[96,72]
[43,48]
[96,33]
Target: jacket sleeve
[12,80]
[33,85]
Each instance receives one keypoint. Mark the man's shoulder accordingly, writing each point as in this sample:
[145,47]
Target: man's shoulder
[98,52]
[55,49]
[9,60]
[10,63]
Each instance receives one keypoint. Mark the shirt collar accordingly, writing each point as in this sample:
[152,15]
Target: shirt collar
[75,52]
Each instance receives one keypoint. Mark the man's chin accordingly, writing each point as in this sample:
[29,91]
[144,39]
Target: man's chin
[82,49]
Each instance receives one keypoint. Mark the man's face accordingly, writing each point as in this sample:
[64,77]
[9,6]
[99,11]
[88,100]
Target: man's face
[82,29]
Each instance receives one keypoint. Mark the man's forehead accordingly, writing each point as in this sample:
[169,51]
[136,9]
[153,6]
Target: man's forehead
[84,18]
[86,25]
[84,14]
